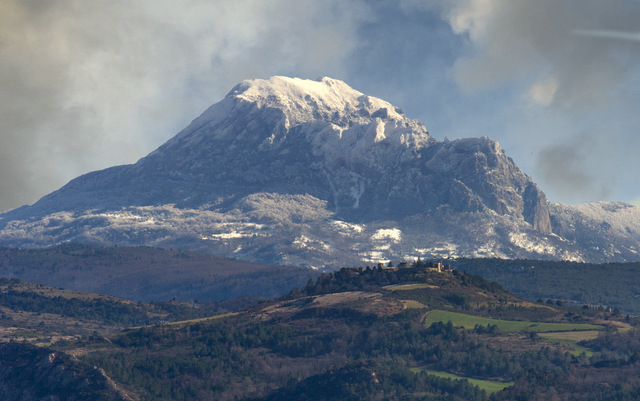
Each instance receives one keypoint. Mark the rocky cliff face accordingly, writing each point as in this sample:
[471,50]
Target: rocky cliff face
[307,172]
[536,211]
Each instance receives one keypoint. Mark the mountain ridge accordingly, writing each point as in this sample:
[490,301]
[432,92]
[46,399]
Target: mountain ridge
[315,173]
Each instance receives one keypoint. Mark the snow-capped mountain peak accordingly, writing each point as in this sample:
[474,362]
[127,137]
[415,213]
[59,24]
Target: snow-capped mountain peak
[342,124]
[305,100]
[293,171]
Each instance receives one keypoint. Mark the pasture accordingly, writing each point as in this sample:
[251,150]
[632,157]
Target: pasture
[489,386]
[470,321]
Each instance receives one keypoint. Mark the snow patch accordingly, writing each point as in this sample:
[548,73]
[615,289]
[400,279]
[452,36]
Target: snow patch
[392,234]
[374,257]
[356,193]
[444,251]
[229,235]
[379,132]
[539,246]
[621,217]
[300,98]
[345,228]
[304,242]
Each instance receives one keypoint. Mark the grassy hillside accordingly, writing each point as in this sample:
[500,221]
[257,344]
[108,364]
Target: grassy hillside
[490,386]
[471,321]
[142,273]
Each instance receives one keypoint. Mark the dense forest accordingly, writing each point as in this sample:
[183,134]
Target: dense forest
[614,285]
[37,373]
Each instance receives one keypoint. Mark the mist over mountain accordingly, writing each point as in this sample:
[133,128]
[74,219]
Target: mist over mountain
[315,173]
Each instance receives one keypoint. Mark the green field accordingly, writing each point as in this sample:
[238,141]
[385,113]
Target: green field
[571,339]
[469,322]
[575,336]
[407,287]
[190,321]
[487,385]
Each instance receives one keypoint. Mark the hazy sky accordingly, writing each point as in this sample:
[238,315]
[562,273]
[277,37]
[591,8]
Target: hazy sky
[85,85]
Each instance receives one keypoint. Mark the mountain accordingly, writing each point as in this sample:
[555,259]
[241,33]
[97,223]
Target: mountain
[315,173]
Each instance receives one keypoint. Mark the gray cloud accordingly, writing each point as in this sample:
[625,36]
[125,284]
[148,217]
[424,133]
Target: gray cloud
[528,43]
[557,77]
[86,85]
[567,168]
[609,34]
[403,55]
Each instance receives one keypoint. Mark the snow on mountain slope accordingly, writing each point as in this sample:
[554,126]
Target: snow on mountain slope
[619,217]
[342,121]
[608,229]
[316,173]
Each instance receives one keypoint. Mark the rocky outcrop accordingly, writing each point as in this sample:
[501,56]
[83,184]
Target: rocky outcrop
[536,211]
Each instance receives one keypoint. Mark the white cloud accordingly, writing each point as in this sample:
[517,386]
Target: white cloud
[526,42]
[543,93]
[472,17]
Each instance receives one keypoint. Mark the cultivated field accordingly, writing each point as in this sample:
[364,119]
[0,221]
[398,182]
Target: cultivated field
[407,287]
[487,385]
[469,322]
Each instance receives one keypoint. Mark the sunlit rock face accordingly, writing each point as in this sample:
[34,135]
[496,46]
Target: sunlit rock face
[316,173]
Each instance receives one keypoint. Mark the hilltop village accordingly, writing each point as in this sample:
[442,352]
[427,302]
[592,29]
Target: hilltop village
[431,266]
[436,274]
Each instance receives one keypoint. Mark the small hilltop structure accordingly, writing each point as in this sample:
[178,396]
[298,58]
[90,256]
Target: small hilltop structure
[438,266]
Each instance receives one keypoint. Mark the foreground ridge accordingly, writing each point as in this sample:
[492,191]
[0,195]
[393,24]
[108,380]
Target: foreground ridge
[409,331]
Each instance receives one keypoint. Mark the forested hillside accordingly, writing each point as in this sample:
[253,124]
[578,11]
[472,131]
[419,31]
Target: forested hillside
[608,285]
[356,334]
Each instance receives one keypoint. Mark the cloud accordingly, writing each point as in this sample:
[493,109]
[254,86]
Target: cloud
[403,54]
[609,34]
[86,85]
[523,41]
[567,168]
[560,68]
[543,93]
